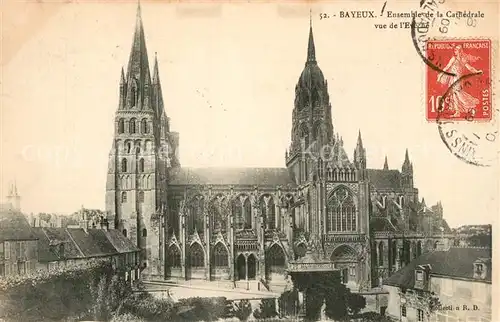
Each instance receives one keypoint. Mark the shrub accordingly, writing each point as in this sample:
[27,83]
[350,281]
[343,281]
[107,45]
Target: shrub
[73,291]
[266,310]
[243,310]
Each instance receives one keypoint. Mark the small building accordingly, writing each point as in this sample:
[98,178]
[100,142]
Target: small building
[60,247]
[459,277]
[18,244]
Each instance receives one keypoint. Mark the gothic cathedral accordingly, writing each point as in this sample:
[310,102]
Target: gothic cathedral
[249,223]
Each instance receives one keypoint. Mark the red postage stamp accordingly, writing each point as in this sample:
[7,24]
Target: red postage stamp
[458,80]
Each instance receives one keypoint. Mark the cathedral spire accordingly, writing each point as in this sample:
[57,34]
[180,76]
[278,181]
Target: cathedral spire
[122,77]
[386,165]
[360,141]
[156,74]
[311,50]
[360,153]
[407,166]
[138,65]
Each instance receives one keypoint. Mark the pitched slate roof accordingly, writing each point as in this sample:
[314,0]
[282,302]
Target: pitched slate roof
[232,176]
[14,226]
[384,179]
[381,224]
[80,244]
[55,236]
[455,262]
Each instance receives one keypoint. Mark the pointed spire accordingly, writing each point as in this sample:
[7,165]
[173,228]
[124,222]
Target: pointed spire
[360,141]
[156,73]
[122,77]
[138,65]
[386,165]
[407,166]
[311,51]
[423,203]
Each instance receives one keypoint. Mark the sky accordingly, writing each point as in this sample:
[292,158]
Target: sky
[228,74]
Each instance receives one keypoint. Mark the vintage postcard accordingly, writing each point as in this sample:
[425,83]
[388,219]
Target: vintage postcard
[249,160]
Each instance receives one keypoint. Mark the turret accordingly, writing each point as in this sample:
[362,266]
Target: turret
[360,153]
[407,172]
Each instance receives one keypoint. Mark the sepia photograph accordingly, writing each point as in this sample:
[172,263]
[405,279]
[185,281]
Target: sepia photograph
[249,161]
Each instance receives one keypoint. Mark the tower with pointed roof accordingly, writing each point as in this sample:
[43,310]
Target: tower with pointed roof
[142,151]
[13,198]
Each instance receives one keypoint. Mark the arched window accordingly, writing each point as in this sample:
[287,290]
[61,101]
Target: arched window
[402,201]
[175,256]
[242,211]
[304,134]
[144,126]
[419,248]
[124,196]
[276,259]
[216,214]
[124,165]
[381,254]
[141,165]
[140,196]
[195,219]
[220,256]
[121,126]
[394,251]
[131,126]
[144,232]
[124,232]
[196,256]
[268,211]
[129,147]
[341,214]
[133,96]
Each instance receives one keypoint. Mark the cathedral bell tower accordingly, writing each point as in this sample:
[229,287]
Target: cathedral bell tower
[141,151]
[312,127]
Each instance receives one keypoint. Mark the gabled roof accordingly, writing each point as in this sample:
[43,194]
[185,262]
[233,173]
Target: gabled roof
[14,226]
[232,176]
[80,244]
[456,262]
[384,179]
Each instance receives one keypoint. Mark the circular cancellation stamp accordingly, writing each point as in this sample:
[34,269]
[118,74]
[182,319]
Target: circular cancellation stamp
[458,85]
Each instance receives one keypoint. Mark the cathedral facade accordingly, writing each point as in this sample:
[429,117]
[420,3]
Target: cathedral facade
[249,223]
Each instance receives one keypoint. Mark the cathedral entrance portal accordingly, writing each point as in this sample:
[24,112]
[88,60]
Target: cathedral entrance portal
[346,259]
[252,267]
[241,267]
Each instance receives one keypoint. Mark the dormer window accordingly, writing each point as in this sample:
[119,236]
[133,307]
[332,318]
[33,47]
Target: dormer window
[419,276]
[480,270]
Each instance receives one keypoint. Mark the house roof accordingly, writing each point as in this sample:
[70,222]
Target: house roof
[15,226]
[456,262]
[232,176]
[80,244]
[384,179]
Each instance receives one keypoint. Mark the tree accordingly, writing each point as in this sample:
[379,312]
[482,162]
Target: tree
[326,288]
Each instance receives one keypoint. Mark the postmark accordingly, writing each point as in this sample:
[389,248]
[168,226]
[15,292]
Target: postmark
[464,73]
[465,129]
